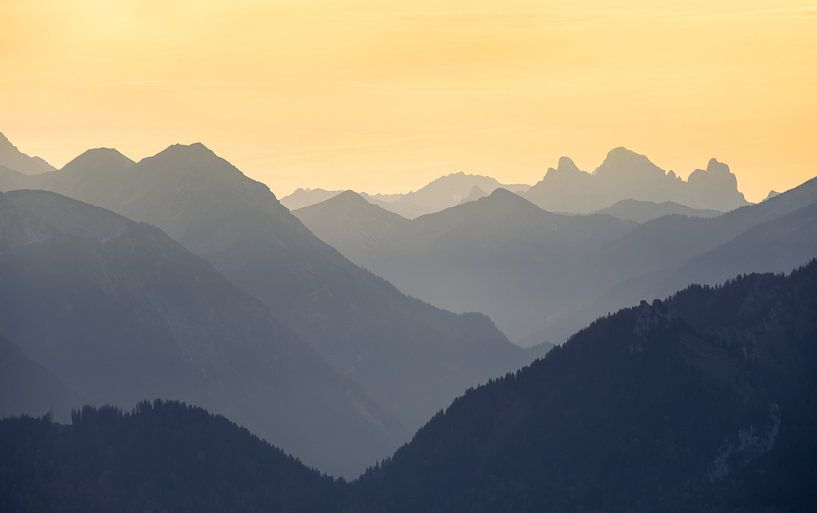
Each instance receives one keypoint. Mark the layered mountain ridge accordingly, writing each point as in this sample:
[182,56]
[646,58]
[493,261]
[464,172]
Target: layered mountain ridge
[408,356]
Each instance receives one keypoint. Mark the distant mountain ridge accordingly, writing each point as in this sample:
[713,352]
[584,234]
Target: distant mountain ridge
[439,194]
[625,175]
[542,275]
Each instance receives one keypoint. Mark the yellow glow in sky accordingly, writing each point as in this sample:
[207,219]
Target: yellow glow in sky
[383,96]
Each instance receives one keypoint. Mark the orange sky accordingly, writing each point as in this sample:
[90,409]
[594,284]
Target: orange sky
[383,96]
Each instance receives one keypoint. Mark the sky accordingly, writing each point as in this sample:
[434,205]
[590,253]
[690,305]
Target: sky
[385,96]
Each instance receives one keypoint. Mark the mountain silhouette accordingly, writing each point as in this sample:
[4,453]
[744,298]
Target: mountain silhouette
[702,402]
[410,357]
[119,312]
[12,158]
[624,175]
[349,215]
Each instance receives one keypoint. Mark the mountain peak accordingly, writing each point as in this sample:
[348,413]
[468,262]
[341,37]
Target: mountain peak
[715,166]
[195,149]
[621,156]
[507,199]
[349,197]
[565,167]
[99,158]
[717,178]
[185,158]
[501,193]
[567,164]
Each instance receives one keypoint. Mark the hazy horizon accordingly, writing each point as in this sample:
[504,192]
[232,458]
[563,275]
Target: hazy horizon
[384,98]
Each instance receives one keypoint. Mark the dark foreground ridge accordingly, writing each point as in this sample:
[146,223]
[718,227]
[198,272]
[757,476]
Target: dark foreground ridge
[704,402]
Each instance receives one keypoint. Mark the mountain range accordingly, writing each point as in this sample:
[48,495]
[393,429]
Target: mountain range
[118,311]
[542,275]
[409,357]
[446,191]
[626,183]
[625,175]
[704,401]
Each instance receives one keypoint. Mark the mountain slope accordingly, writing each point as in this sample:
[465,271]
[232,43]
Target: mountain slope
[410,357]
[705,401]
[500,254]
[11,180]
[27,387]
[772,246]
[643,211]
[13,158]
[132,314]
[348,221]
[627,175]
[162,456]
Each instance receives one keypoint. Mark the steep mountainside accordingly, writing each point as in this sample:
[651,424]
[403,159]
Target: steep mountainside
[119,312]
[499,254]
[347,220]
[704,402]
[410,357]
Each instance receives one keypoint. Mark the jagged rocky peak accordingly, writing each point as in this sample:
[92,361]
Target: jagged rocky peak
[564,167]
[623,162]
[716,176]
[715,166]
